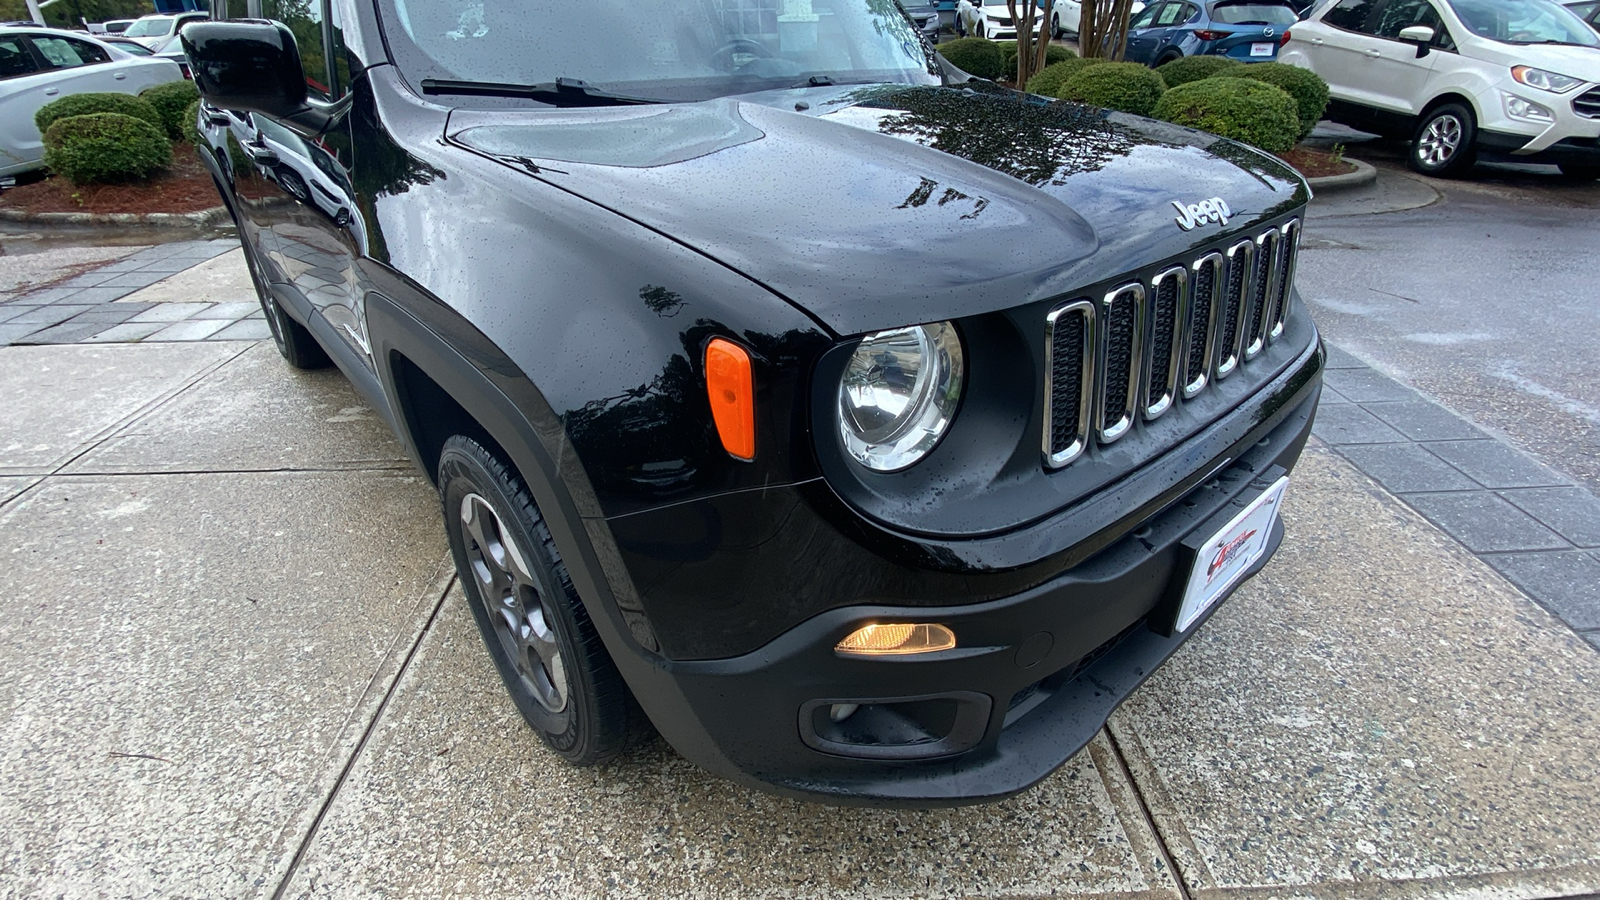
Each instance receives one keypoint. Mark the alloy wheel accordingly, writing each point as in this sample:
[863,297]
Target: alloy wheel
[1439,141]
[515,604]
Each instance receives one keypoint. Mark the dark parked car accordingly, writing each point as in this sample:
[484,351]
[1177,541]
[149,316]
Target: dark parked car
[1246,30]
[746,404]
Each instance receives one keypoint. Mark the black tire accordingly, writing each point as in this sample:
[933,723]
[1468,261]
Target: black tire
[1445,142]
[295,342]
[1166,59]
[1579,172]
[561,677]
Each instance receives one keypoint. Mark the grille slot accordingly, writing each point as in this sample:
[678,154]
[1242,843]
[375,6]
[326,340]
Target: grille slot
[1587,104]
[1119,359]
[1288,255]
[1200,352]
[1146,343]
[1069,364]
[1167,295]
[1261,275]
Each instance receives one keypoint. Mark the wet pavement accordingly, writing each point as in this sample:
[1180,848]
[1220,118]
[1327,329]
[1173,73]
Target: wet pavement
[236,663]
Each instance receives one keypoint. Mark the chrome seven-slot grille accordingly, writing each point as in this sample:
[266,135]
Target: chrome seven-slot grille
[1149,343]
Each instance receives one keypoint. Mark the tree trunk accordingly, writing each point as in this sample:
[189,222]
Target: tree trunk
[1030,52]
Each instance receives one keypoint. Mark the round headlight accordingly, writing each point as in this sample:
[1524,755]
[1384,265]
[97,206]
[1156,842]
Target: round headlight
[899,393]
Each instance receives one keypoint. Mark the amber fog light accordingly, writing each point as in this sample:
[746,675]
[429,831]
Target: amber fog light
[896,640]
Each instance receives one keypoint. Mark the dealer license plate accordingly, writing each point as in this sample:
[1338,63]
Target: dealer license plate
[1224,558]
[1262,49]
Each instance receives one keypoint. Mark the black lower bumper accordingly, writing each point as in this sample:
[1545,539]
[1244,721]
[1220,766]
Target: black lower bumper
[1567,151]
[1033,677]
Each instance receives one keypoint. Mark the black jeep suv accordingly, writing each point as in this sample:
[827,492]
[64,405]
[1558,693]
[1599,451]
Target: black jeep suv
[872,430]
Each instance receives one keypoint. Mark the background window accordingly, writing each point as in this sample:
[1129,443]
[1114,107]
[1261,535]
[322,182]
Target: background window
[65,53]
[15,60]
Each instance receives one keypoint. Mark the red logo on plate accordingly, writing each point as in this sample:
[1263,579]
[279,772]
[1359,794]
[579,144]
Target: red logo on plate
[1228,551]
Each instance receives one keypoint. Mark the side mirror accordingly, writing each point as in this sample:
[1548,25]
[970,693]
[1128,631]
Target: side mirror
[252,66]
[1420,35]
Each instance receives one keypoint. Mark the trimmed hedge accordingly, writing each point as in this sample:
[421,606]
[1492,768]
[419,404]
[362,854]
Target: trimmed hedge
[975,56]
[1053,54]
[105,147]
[1309,91]
[1126,86]
[171,100]
[88,104]
[1194,68]
[1054,76]
[1254,112]
[191,123]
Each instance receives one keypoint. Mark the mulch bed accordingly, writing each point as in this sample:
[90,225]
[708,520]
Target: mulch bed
[1317,163]
[184,188]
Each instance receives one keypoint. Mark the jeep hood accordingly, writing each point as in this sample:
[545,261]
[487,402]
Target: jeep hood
[885,206]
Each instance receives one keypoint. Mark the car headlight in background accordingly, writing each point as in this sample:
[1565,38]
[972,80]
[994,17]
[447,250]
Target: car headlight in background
[898,394]
[1544,81]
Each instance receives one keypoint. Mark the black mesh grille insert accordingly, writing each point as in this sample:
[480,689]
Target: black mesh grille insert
[1588,104]
[1066,379]
[1265,253]
[1119,332]
[1230,305]
[1205,284]
[1280,294]
[1163,329]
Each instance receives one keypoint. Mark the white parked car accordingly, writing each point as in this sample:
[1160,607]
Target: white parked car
[995,17]
[156,32]
[1514,78]
[38,65]
[1066,16]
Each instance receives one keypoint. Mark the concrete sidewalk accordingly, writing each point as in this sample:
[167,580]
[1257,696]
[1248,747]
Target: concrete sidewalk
[235,665]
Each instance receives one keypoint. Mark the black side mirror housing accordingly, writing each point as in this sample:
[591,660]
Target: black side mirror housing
[253,66]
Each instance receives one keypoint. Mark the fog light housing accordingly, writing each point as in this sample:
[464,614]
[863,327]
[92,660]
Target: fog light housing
[896,639]
[1519,108]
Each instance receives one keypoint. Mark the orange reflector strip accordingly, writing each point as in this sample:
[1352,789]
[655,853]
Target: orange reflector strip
[898,639]
[731,389]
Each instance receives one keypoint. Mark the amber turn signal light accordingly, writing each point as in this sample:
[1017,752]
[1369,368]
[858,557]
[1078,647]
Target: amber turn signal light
[731,389]
[896,640]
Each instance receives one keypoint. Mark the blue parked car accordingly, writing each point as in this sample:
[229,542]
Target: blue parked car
[1247,30]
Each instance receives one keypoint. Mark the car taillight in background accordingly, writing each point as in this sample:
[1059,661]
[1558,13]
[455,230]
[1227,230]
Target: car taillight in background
[1285,38]
[1206,34]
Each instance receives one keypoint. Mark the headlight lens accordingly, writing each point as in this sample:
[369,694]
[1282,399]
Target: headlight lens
[899,393]
[1544,81]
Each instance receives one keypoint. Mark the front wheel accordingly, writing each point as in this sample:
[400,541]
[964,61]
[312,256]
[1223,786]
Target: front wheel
[538,633]
[1445,142]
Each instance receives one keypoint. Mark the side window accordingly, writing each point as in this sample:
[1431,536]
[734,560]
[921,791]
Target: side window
[1405,13]
[1350,15]
[304,20]
[66,53]
[1191,13]
[1171,14]
[15,60]
[341,54]
[1146,18]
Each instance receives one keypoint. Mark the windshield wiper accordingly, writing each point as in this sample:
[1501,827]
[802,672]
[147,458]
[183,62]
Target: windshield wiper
[825,81]
[561,92]
[1549,41]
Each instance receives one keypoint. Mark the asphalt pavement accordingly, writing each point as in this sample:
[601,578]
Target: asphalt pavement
[236,664]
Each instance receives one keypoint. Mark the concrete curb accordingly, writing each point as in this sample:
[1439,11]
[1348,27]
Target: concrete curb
[1364,174]
[202,219]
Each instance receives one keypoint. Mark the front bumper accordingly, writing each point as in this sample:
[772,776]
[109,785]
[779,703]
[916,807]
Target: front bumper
[1034,676]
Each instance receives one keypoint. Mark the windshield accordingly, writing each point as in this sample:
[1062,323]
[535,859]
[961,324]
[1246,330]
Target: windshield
[660,49]
[1524,22]
[1253,14]
[155,26]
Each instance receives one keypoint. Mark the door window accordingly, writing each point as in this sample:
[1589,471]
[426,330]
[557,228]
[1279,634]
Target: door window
[304,18]
[15,60]
[66,53]
[1406,13]
[1171,14]
[1350,15]
[1144,19]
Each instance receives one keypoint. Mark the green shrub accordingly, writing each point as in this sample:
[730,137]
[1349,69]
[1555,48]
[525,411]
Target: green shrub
[1309,91]
[87,104]
[191,123]
[975,56]
[1194,68]
[105,147]
[1052,54]
[1254,112]
[171,99]
[1129,87]
[1055,75]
